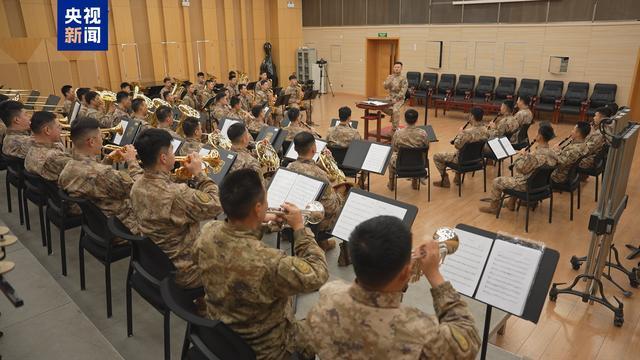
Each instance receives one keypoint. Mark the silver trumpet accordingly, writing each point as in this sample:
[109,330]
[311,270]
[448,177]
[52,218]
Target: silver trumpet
[448,243]
[313,213]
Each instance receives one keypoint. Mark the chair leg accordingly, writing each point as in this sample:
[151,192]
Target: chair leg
[167,335]
[597,178]
[47,231]
[484,176]
[129,305]
[63,250]
[571,209]
[460,185]
[395,187]
[20,207]
[500,206]
[429,187]
[107,283]
[185,344]
[8,186]
[42,229]
[578,207]
[526,222]
[81,261]
[550,207]
[25,205]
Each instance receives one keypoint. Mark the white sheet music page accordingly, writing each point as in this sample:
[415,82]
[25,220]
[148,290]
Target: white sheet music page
[360,208]
[280,186]
[304,191]
[176,144]
[376,157]
[507,145]
[508,276]
[288,186]
[293,154]
[118,138]
[497,149]
[226,126]
[464,267]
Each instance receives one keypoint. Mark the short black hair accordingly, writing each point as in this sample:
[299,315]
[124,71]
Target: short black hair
[477,113]
[3,98]
[239,192]
[241,86]
[303,141]
[189,126]
[124,85]
[83,126]
[149,145]
[232,75]
[40,119]
[121,95]
[166,79]
[186,84]
[604,111]
[411,116]
[200,73]
[255,111]
[380,248]
[293,76]
[81,92]
[207,82]
[235,100]
[508,104]
[163,112]
[546,131]
[235,131]
[525,99]
[90,96]
[583,128]
[9,109]
[398,62]
[293,114]
[65,90]
[220,95]
[262,82]
[136,104]
[344,113]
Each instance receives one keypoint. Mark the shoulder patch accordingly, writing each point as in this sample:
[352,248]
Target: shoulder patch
[203,197]
[301,266]
[460,339]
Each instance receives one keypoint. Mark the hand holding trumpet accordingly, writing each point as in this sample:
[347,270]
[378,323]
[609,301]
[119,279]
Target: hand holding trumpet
[291,215]
[428,257]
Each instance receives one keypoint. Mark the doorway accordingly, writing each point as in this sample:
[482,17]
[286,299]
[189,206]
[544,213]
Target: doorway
[381,54]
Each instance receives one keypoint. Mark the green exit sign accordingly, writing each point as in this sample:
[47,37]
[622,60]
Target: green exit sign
[382,34]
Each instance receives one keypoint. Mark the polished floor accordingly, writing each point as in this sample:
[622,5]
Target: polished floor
[567,329]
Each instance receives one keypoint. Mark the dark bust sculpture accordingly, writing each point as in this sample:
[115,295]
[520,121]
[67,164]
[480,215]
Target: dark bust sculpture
[268,66]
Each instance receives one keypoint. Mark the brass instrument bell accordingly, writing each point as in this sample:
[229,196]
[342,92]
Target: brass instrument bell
[448,243]
[313,212]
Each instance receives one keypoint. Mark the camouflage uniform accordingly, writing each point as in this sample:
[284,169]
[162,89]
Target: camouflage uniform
[524,117]
[351,322]
[164,91]
[205,95]
[199,86]
[477,132]
[233,89]
[595,141]
[46,160]
[504,125]
[248,285]
[253,125]
[189,101]
[118,115]
[397,86]
[170,213]
[17,143]
[83,111]
[104,186]
[219,111]
[245,160]
[240,115]
[144,125]
[3,131]
[297,127]
[567,157]
[331,201]
[104,120]
[295,101]
[246,102]
[260,97]
[523,167]
[342,135]
[410,137]
[190,145]
[171,132]
[67,106]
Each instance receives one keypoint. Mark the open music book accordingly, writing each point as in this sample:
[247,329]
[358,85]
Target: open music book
[117,138]
[290,186]
[501,147]
[293,154]
[225,124]
[334,123]
[177,143]
[499,272]
[368,156]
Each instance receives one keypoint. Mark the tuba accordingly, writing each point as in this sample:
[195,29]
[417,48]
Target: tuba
[186,111]
[242,77]
[336,176]
[108,97]
[267,156]
[448,243]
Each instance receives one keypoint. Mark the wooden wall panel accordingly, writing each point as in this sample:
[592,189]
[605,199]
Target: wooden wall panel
[311,12]
[354,12]
[383,12]
[331,14]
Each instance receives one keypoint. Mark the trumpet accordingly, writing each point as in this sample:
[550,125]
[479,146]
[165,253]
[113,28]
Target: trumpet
[115,155]
[313,212]
[448,243]
[118,129]
[212,161]
[464,127]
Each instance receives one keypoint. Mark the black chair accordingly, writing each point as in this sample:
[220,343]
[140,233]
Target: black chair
[522,140]
[58,203]
[603,94]
[530,88]
[98,241]
[505,90]
[470,159]
[570,185]
[33,97]
[599,165]
[14,177]
[484,89]
[211,339]
[36,192]
[51,103]
[445,86]
[413,78]
[339,153]
[464,88]
[574,98]
[412,163]
[424,90]
[538,189]
[549,96]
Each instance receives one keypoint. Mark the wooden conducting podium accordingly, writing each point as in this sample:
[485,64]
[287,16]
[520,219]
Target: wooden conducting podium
[373,112]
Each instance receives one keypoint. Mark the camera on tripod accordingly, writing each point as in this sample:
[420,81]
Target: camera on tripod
[322,62]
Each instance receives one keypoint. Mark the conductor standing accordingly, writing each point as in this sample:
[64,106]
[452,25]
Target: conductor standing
[396,84]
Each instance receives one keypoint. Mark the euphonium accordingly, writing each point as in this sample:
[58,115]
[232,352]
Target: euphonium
[186,111]
[242,77]
[267,156]
[330,166]
[217,140]
[448,243]
[157,102]
[108,97]
[313,213]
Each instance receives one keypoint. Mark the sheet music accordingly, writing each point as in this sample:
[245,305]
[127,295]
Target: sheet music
[288,186]
[376,158]
[360,208]
[508,276]
[464,267]
[498,151]
[176,144]
[506,144]
[225,127]
[118,138]
[375,102]
[293,154]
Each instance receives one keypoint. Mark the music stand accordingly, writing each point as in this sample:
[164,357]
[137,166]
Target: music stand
[251,86]
[353,123]
[229,157]
[282,101]
[207,106]
[309,96]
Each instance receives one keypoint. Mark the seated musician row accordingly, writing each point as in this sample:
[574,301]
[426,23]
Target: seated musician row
[450,92]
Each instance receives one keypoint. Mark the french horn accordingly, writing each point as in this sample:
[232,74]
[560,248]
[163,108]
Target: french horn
[267,156]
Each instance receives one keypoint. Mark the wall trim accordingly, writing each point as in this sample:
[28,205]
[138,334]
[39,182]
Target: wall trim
[553,24]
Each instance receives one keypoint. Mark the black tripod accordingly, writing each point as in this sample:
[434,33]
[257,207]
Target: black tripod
[324,77]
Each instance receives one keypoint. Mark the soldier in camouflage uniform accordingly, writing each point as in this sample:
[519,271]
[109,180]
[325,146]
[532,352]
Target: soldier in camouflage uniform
[107,188]
[523,168]
[140,113]
[232,86]
[80,93]
[569,154]
[240,139]
[343,134]
[97,109]
[257,120]
[237,112]
[505,123]
[396,84]
[200,82]
[170,213]
[249,285]
[261,96]
[296,125]
[17,140]
[193,133]
[246,100]
[69,98]
[3,127]
[409,137]
[305,145]
[164,114]
[524,114]
[165,92]
[189,98]
[595,140]
[46,156]
[477,131]
[365,319]
[221,108]
[296,96]
[122,108]
[206,94]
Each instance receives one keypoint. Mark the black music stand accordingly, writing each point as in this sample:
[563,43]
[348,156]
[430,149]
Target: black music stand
[282,101]
[431,134]
[251,86]
[229,157]
[309,96]
[357,153]
[353,123]
[426,103]
[207,106]
[276,136]
[635,251]
[130,132]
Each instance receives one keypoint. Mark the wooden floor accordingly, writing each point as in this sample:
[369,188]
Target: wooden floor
[568,328]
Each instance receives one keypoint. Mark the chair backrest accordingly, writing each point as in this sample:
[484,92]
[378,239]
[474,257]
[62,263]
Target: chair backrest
[52,101]
[523,133]
[413,78]
[506,86]
[577,92]
[211,337]
[529,87]
[540,179]
[485,85]
[447,82]
[603,94]
[95,223]
[471,153]
[551,91]
[35,184]
[411,158]
[149,260]
[15,166]
[601,157]
[465,83]
[33,97]
[573,176]
[338,153]
[432,78]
